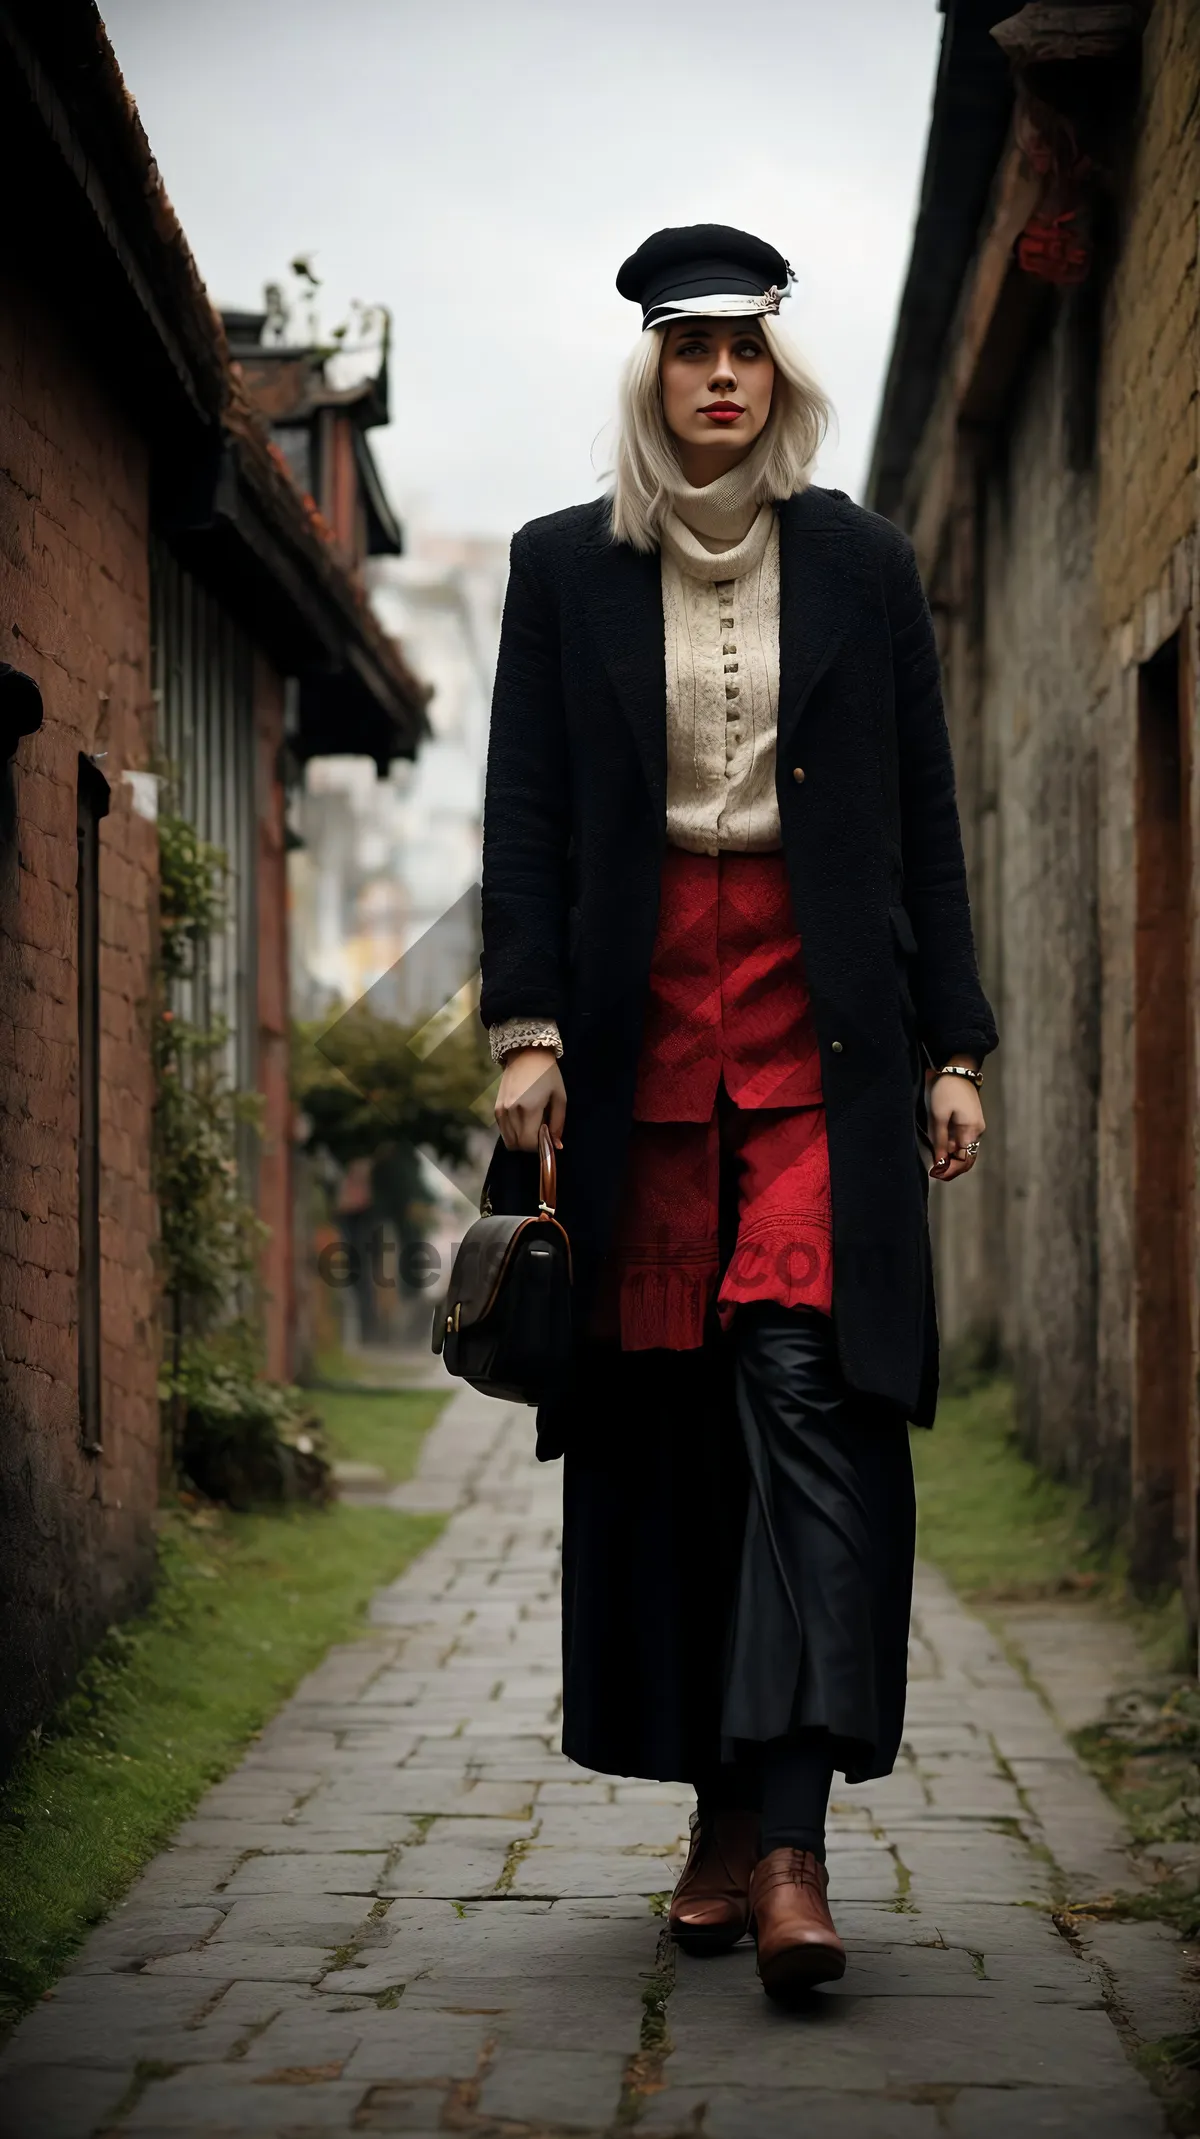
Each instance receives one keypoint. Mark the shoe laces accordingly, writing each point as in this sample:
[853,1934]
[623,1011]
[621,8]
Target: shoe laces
[808,1870]
[801,1869]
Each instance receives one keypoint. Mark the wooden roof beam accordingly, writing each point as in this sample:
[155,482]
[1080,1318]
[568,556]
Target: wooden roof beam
[991,332]
[1044,35]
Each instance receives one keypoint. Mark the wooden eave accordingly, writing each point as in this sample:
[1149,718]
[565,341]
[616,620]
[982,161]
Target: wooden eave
[385,535]
[969,123]
[1000,313]
[287,385]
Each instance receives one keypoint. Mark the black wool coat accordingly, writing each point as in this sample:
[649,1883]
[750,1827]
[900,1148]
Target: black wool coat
[574,832]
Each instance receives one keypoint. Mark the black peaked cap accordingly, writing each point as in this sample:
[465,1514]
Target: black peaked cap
[700,260]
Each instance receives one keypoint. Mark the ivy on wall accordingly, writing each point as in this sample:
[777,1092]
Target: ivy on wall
[209,1231]
[226,1429]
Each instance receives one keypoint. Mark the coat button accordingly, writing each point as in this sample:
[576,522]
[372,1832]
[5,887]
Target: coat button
[798,775]
[836,1047]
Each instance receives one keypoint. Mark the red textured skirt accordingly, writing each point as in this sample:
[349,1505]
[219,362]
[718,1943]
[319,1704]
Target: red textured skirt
[728,1108]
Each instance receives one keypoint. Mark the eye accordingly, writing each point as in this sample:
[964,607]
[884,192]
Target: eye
[749,349]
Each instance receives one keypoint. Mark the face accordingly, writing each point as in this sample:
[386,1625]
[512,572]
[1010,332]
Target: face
[717,379]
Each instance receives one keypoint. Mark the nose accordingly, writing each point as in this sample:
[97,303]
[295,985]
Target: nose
[722,376]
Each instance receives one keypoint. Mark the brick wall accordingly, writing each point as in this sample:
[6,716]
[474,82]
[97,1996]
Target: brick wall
[1151,368]
[76,1541]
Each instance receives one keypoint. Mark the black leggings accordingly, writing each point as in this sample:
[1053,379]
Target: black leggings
[787,1781]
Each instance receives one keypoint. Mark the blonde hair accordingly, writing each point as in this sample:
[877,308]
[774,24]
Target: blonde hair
[646,468]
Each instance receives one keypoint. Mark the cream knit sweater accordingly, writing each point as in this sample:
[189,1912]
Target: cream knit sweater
[721,640]
[720,595]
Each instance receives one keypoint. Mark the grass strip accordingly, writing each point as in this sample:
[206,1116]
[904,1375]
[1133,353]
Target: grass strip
[1003,1531]
[995,1524]
[379,1426]
[245,1605]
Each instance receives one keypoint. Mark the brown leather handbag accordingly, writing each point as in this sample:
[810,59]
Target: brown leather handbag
[505,1323]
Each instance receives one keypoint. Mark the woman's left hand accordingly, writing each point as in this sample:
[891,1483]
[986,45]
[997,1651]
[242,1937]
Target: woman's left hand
[955,1123]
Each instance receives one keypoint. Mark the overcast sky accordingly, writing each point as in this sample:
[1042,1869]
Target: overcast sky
[482,167]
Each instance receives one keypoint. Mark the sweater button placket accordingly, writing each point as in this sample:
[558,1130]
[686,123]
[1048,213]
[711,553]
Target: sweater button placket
[729,650]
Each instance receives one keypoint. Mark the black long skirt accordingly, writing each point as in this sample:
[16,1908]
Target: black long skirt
[735,1566]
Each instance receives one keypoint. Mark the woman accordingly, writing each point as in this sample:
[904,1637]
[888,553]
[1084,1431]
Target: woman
[725,918]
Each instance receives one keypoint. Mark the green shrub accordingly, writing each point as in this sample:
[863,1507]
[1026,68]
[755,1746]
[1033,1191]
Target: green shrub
[229,1432]
[244,1438]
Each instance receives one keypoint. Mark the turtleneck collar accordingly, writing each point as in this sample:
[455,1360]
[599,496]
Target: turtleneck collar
[719,513]
[722,523]
[703,559]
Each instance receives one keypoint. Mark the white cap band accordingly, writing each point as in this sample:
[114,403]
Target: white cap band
[735,305]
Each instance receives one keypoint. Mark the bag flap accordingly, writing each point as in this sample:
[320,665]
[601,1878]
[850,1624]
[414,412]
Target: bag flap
[483,1252]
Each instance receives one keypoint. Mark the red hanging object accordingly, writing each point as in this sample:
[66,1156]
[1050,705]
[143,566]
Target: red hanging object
[1053,249]
[1075,67]
[1054,246]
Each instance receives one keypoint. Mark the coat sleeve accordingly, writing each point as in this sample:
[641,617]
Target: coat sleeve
[526,812]
[954,1016]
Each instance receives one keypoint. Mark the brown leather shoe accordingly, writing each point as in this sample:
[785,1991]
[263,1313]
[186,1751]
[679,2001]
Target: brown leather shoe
[797,1944]
[710,1908]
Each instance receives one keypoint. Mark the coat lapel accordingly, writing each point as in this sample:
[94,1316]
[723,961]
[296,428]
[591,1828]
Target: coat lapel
[624,601]
[820,587]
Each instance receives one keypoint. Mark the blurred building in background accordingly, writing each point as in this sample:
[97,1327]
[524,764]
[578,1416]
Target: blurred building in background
[1038,439]
[384,857]
[319,402]
[380,861]
[385,905]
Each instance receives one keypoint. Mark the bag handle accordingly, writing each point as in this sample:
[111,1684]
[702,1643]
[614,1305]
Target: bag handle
[547,1172]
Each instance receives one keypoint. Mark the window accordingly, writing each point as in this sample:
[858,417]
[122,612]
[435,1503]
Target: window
[204,686]
[91,805]
[294,441]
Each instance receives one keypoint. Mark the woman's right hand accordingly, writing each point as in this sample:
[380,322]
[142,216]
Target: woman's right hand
[531,1092]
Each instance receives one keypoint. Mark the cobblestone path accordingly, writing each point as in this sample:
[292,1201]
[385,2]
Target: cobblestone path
[406,1913]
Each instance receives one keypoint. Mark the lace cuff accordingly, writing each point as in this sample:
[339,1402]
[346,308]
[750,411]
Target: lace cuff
[513,1033]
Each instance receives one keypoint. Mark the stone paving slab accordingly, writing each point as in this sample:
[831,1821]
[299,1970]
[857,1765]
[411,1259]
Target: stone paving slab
[406,1912]
[786,2113]
[987,2113]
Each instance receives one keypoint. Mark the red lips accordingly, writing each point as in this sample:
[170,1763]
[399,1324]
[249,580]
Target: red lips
[723,411]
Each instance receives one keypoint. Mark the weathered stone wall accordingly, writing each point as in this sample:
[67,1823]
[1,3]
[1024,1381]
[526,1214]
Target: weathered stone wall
[1041,681]
[75,1532]
[1078,578]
